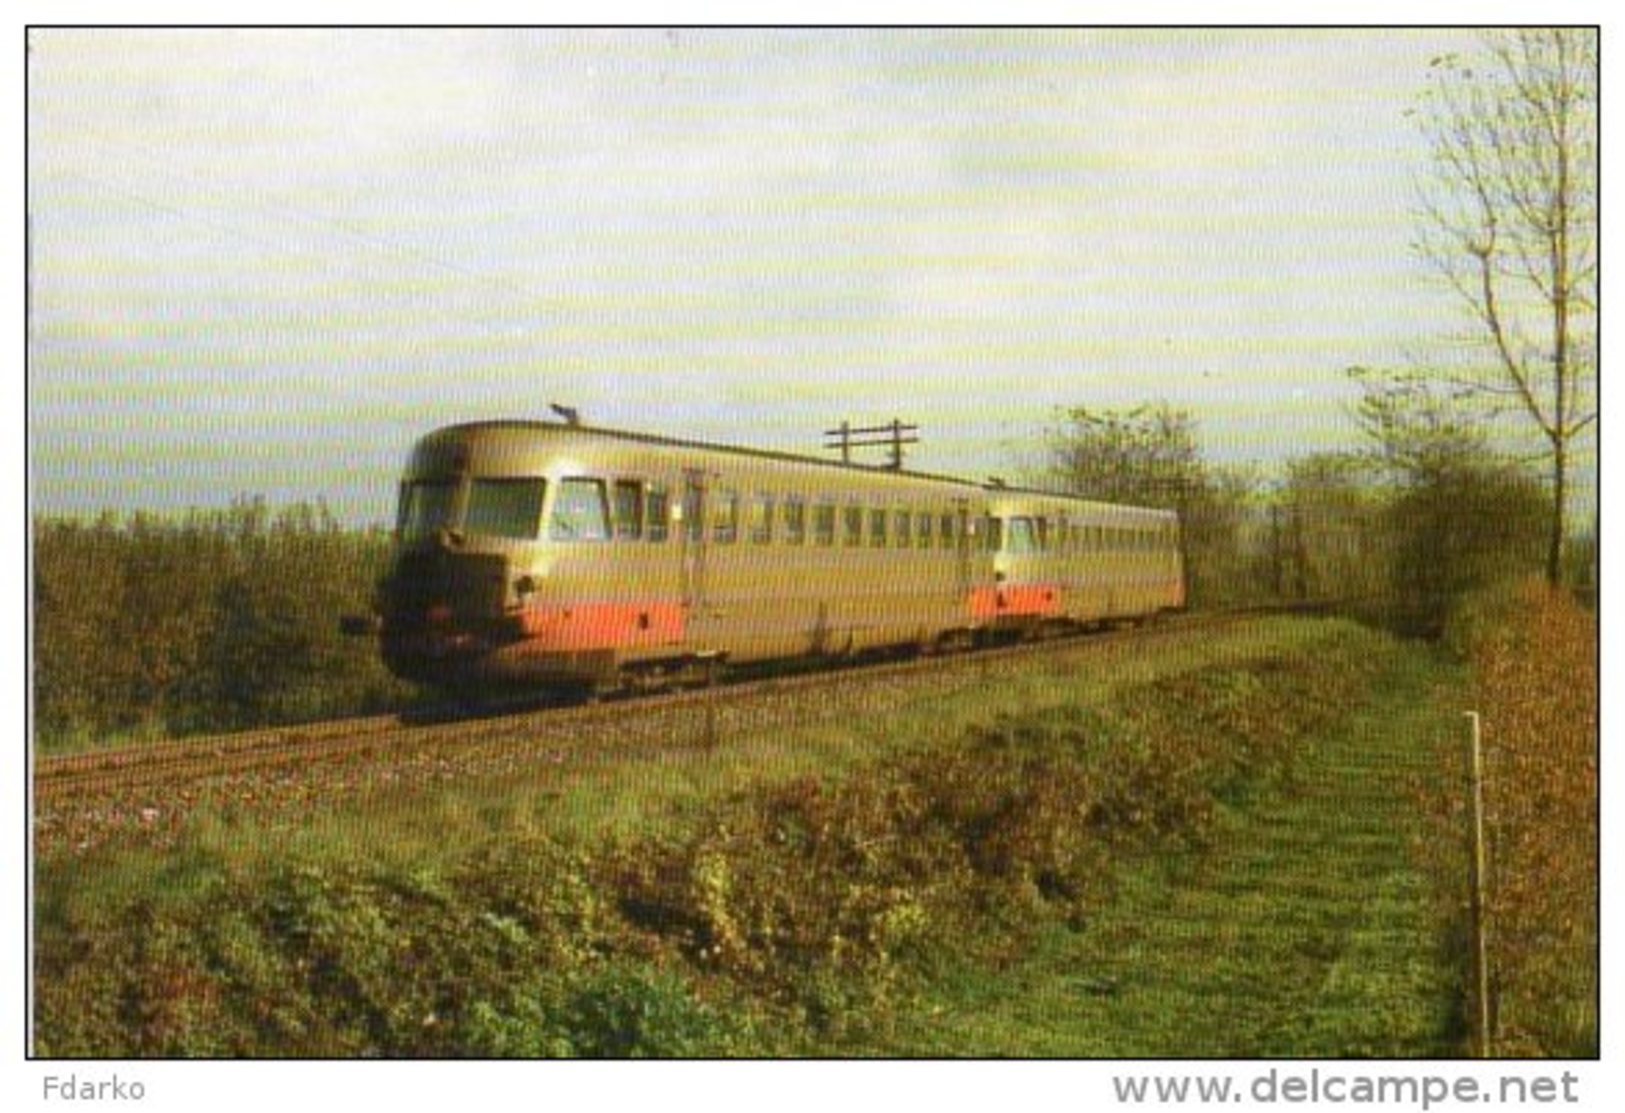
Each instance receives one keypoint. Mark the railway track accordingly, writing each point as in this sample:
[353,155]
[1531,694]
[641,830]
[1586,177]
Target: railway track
[128,772]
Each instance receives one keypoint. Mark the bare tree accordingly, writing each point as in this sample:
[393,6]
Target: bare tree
[1510,220]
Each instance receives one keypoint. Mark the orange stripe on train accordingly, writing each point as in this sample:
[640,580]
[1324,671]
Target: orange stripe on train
[581,626]
[1008,600]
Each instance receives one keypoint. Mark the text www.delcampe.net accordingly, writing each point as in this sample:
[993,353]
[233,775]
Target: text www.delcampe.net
[1317,1086]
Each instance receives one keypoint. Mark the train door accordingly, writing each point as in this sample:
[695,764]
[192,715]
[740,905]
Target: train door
[694,538]
[963,556]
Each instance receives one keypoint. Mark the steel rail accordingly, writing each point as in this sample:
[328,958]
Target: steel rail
[216,756]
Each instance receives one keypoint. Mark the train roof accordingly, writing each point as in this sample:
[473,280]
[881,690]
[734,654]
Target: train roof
[877,470]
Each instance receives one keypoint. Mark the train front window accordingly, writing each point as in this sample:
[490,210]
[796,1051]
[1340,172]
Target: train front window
[505,508]
[1021,536]
[427,505]
[580,511]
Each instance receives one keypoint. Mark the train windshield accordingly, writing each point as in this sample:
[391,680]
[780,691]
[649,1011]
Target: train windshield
[505,508]
[1021,536]
[427,505]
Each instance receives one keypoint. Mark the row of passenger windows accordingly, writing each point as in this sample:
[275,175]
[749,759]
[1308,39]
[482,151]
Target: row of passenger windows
[587,509]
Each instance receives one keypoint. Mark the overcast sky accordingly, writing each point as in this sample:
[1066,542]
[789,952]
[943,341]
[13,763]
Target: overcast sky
[263,262]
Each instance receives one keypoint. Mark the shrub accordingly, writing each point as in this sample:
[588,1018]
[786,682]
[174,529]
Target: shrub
[217,620]
[1537,694]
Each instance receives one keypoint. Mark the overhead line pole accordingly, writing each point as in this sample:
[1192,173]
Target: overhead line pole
[892,436]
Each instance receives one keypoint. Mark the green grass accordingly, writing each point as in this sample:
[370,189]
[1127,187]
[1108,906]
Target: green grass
[667,789]
[1304,928]
[1197,847]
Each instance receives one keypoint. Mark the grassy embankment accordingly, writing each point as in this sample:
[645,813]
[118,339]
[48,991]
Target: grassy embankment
[1209,848]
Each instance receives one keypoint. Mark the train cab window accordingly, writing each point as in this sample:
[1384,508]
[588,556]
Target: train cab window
[795,521]
[852,527]
[659,513]
[505,508]
[628,510]
[725,517]
[877,529]
[761,519]
[1021,536]
[427,505]
[904,523]
[580,511]
[922,531]
[824,524]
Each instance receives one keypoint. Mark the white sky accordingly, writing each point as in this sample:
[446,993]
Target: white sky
[265,261]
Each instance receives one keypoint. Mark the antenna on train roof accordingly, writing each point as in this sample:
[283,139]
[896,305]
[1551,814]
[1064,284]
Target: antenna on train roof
[570,414]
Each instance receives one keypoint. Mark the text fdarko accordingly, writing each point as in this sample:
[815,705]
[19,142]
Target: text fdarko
[74,1088]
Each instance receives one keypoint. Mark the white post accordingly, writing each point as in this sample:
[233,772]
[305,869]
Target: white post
[1480,885]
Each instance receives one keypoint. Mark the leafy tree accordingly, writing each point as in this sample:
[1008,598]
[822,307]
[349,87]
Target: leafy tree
[1458,515]
[1148,456]
[1326,536]
[1510,221]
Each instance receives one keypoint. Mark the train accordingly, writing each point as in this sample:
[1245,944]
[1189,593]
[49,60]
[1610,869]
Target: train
[556,555]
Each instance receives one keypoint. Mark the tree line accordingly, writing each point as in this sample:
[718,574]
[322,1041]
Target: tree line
[1398,533]
[146,626]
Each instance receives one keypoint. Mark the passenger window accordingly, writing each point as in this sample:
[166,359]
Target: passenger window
[725,518]
[795,521]
[922,526]
[580,512]
[824,524]
[852,534]
[947,531]
[659,504]
[877,529]
[628,510]
[904,522]
[505,508]
[761,519]
[992,534]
